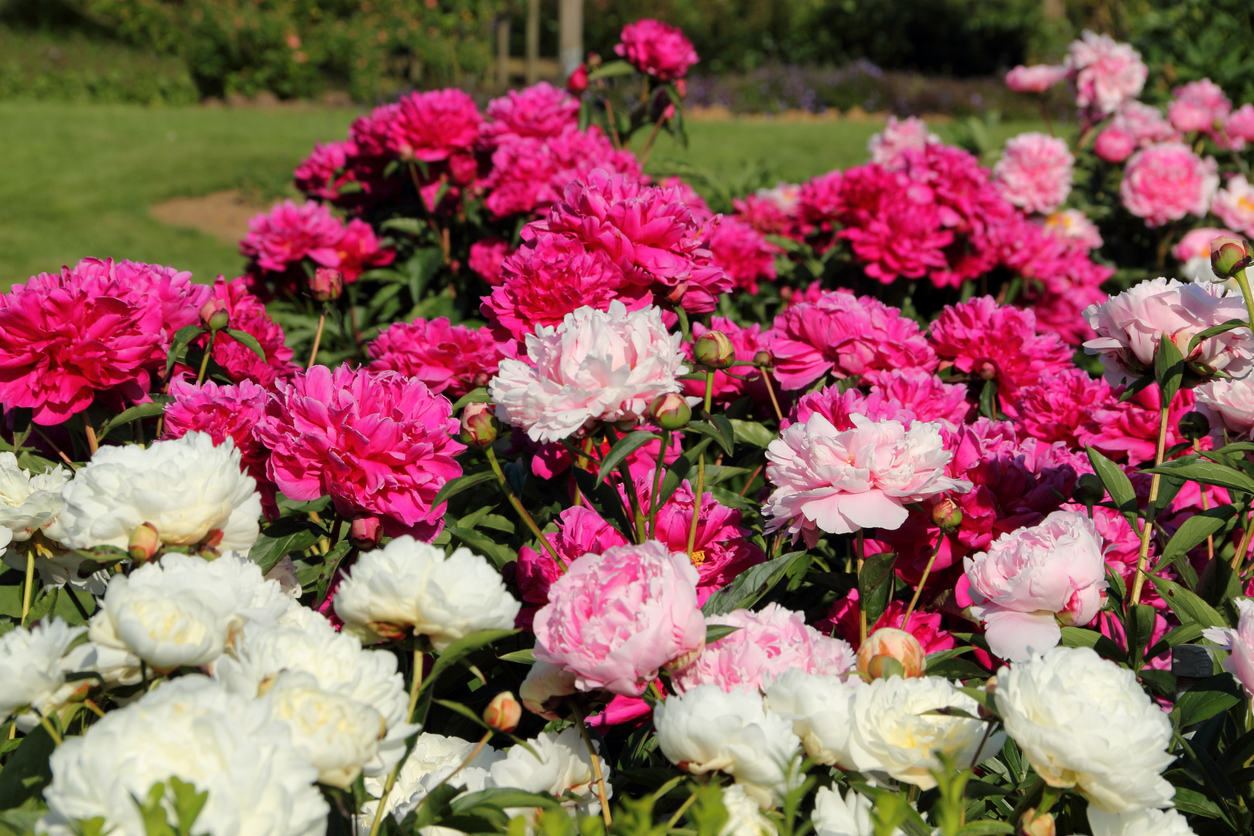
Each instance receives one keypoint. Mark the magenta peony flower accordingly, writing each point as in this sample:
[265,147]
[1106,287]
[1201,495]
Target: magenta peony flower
[1106,73]
[1130,325]
[767,644]
[843,620]
[1114,145]
[1034,173]
[888,146]
[842,481]
[325,171]
[616,619]
[1073,227]
[433,126]
[1167,181]
[580,531]
[249,315]
[656,49]
[1200,106]
[839,408]
[924,394]
[449,359]
[772,211]
[843,335]
[1035,79]
[540,110]
[747,342]
[743,253]
[289,233]
[1234,204]
[1129,430]
[701,212]
[1058,406]
[377,443]
[1239,643]
[359,250]
[486,257]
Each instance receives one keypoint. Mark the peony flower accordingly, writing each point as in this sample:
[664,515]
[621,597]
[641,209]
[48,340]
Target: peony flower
[1239,643]
[1084,722]
[452,359]
[408,585]
[1114,145]
[772,211]
[1035,79]
[840,482]
[1146,822]
[743,253]
[1143,123]
[359,249]
[1130,325]
[230,747]
[708,730]
[434,125]
[28,503]
[747,341]
[656,49]
[886,147]
[1199,106]
[580,530]
[336,734]
[192,491]
[556,764]
[1229,404]
[433,759]
[1240,125]
[924,394]
[615,619]
[1034,173]
[818,707]
[540,110]
[324,173]
[844,616]
[290,233]
[595,366]
[1167,181]
[546,688]
[248,314]
[847,816]
[1193,253]
[1234,205]
[1032,578]
[32,671]
[1106,73]
[893,729]
[486,257]
[1059,407]
[744,816]
[378,443]
[844,335]
[1129,430]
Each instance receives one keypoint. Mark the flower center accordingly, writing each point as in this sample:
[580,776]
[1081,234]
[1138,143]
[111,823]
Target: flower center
[698,557]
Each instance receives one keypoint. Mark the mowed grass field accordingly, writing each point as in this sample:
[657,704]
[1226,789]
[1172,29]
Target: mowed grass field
[79,180]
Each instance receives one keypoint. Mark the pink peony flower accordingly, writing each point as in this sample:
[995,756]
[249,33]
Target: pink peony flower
[595,367]
[1144,123]
[1167,181]
[843,620]
[1234,204]
[1130,325]
[166,288]
[433,126]
[1129,430]
[743,254]
[249,315]
[289,233]
[1031,579]
[1034,173]
[1193,252]
[325,172]
[924,394]
[449,359]
[616,619]
[1229,404]
[887,146]
[747,342]
[999,343]
[540,110]
[1199,106]
[359,250]
[1059,405]
[377,443]
[842,481]
[1114,145]
[772,211]
[552,459]
[843,335]
[656,49]
[486,257]
[1239,643]
[839,408]
[1240,125]
[580,531]
[1106,73]
[1074,228]
[701,212]
[1035,79]
[766,644]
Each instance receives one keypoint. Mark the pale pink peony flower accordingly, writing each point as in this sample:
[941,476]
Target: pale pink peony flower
[1130,325]
[1074,228]
[486,257]
[452,359]
[1193,252]
[1106,73]
[889,145]
[1240,125]
[1114,145]
[767,644]
[1034,173]
[1167,181]
[540,110]
[433,126]
[291,232]
[1198,107]
[1234,205]
[1229,404]
[596,366]
[1239,643]
[1035,79]
[1144,123]
[656,49]
[616,619]
[378,443]
[1031,579]
[843,481]
[249,314]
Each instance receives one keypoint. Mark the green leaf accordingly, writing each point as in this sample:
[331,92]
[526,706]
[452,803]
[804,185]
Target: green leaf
[450,656]
[1183,634]
[622,448]
[247,340]
[611,69]
[988,400]
[27,772]
[875,584]
[1168,368]
[1079,637]
[1208,473]
[411,226]
[462,483]
[714,632]
[749,587]
[283,538]
[501,798]
[1213,331]
[984,827]
[1195,803]
[527,657]
[720,430]
[752,433]
[1187,606]
[1131,390]
[182,339]
[479,395]
[187,804]
[134,413]
[1116,483]
[1206,699]
[484,544]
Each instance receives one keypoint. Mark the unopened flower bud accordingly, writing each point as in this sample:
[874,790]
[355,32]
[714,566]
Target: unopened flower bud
[144,542]
[947,515]
[364,532]
[545,690]
[214,315]
[1088,490]
[1032,823]
[1229,256]
[888,652]
[714,350]
[1193,425]
[671,411]
[503,713]
[987,370]
[479,425]
[762,358]
[327,284]
[681,87]
[578,81]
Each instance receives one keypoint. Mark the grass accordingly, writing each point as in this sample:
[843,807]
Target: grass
[79,178]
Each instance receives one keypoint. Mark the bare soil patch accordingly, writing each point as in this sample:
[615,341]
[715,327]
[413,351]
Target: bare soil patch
[224,215]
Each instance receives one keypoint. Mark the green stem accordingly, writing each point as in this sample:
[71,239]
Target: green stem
[696,505]
[657,483]
[29,586]
[918,591]
[602,796]
[1147,529]
[51,731]
[522,512]
[709,392]
[204,361]
[1243,282]
[414,688]
[861,558]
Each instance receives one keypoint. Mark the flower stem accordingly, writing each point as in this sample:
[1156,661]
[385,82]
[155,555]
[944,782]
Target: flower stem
[1243,282]
[522,512]
[596,763]
[709,392]
[1147,530]
[648,143]
[918,591]
[770,390]
[414,688]
[861,556]
[29,586]
[92,443]
[313,352]
[696,505]
[51,731]
[657,483]
[200,376]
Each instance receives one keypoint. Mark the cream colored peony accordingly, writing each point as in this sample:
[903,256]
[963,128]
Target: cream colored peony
[28,503]
[563,770]
[337,734]
[33,668]
[848,815]
[744,816]
[433,759]
[1146,822]
[818,707]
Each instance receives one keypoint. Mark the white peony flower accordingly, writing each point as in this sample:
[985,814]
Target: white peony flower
[744,816]
[1084,722]
[892,730]
[818,707]
[32,668]
[191,491]
[408,583]
[1138,823]
[844,816]
[564,767]
[596,366]
[338,735]
[28,503]
[433,759]
[706,729]
[339,664]
[226,745]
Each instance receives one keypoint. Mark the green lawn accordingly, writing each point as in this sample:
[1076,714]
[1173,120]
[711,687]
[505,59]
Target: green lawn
[78,179]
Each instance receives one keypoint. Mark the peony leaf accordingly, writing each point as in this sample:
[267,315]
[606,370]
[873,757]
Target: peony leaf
[725,437]
[1135,386]
[1213,331]
[1206,699]
[182,339]
[623,448]
[749,587]
[714,632]
[281,539]
[984,827]
[503,797]
[875,584]
[451,655]
[26,772]
[751,432]
[134,413]
[526,657]
[1187,606]
[479,395]
[1117,484]
[1196,529]
[1208,473]
[610,69]
[1168,368]
[462,483]
[1080,637]
[247,340]
[1180,635]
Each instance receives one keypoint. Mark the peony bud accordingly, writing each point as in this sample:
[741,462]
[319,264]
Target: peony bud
[545,689]
[144,542]
[947,515]
[214,315]
[364,532]
[888,652]
[327,284]
[671,411]
[762,358]
[479,425]
[1088,490]
[714,350]
[1193,425]
[1229,256]
[681,87]
[503,713]
[1032,823]
[578,81]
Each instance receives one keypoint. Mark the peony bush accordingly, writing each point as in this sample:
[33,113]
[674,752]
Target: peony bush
[512,490]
